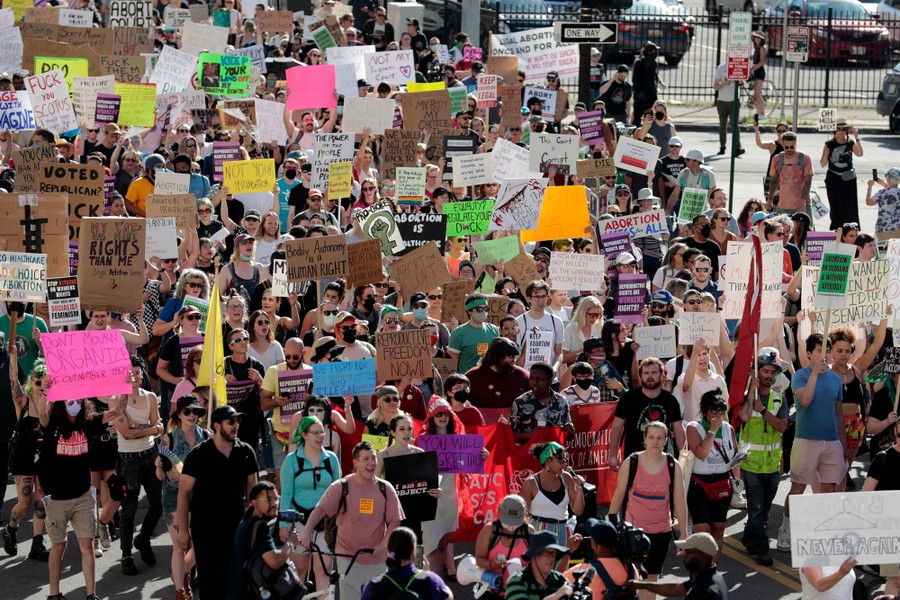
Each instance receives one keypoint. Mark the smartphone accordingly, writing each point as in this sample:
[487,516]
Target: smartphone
[648,113]
[875,174]
[756,118]
[420,555]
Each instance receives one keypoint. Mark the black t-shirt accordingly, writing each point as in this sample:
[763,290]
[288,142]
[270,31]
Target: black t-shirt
[707,585]
[709,248]
[616,99]
[885,468]
[65,464]
[882,406]
[221,483]
[637,410]
[297,198]
[245,398]
[671,167]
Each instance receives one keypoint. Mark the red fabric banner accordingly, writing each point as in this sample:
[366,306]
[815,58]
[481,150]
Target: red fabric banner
[589,448]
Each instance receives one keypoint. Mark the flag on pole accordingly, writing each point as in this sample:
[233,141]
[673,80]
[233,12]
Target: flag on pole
[212,364]
[743,356]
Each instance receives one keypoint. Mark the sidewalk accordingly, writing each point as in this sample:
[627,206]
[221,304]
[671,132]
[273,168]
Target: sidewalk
[705,118]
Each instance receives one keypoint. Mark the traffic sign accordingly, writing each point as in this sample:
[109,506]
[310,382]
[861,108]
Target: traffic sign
[738,68]
[585,33]
[797,44]
[740,28]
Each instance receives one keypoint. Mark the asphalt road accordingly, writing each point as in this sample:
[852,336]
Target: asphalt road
[23,579]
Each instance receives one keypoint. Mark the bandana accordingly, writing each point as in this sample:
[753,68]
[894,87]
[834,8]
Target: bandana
[470,304]
[552,449]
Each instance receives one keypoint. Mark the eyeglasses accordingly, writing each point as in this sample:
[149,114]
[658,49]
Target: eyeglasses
[170,260]
[261,322]
[791,147]
[781,131]
[780,234]
[515,129]
[368,189]
[197,412]
[131,160]
[38,382]
[391,321]
[543,297]
[543,259]
[235,306]
[330,313]
[716,411]
[388,187]
[93,131]
[194,284]
[240,340]
[192,317]
[381,285]
[190,145]
[435,296]
[391,399]
[623,193]
[702,269]
[593,315]
[692,302]
[348,328]
[658,305]
[723,219]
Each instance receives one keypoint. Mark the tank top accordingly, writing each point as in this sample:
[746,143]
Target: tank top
[778,150]
[715,463]
[550,505]
[661,133]
[648,500]
[248,286]
[517,550]
[853,393]
[138,417]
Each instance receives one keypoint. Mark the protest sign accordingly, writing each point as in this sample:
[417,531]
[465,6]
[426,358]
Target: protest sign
[734,278]
[456,453]
[340,179]
[356,377]
[84,364]
[49,96]
[399,150]
[111,263]
[815,240]
[474,169]
[11,49]
[128,41]
[345,80]
[377,222]
[138,103]
[197,38]
[28,161]
[316,258]
[510,161]
[256,54]
[414,87]
[294,385]
[693,201]
[772,272]
[636,156]
[281,287]
[244,176]
[445,366]
[511,98]
[223,152]
[436,147]
[162,241]
[418,229]
[350,55]
[106,108]
[518,204]
[595,167]
[171,183]
[458,99]
[364,262]
[317,83]
[375,113]
[125,69]
[83,184]
[176,17]
[84,96]
[560,151]
[223,74]
[422,269]
[23,277]
[497,308]
[487,90]
[529,43]
[274,21]
[270,121]
[893,258]
[181,207]
[329,148]
[426,110]
[504,248]
[394,67]
[827,528]
[70,67]
[591,126]
[892,361]
[36,224]
[547,98]
[458,146]
[235,113]
[697,326]
[412,475]
[630,299]
[537,345]
[831,290]
[63,303]
[564,214]
[521,268]
[563,60]
[455,293]
[868,294]
[637,225]
[468,218]
[130,13]
[16,112]
[410,185]
[656,341]
[577,271]
[405,353]
[614,244]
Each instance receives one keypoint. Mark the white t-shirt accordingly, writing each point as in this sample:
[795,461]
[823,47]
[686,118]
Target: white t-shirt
[549,322]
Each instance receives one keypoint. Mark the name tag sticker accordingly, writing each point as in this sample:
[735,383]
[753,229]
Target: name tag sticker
[366,506]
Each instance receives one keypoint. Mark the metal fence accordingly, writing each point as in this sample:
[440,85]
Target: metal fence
[848,55]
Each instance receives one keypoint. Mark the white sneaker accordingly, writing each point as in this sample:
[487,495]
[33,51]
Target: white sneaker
[738,501]
[103,531]
[784,539]
[98,551]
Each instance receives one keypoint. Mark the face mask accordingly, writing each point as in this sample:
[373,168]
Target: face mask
[350,336]
[420,313]
[369,303]
[245,257]
[73,407]
[328,321]
[271,82]
[479,317]
[290,173]
[706,230]
[659,115]
[461,396]
[583,383]
[434,340]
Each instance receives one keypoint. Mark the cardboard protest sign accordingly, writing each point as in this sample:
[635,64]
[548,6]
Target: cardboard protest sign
[637,225]
[50,100]
[445,366]
[274,21]
[400,354]
[245,115]
[16,112]
[474,169]
[497,308]
[181,207]
[394,67]
[63,303]
[329,148]
[693,201]
[37,224]
[129,41]
[23,277]
[426,110]
[28,162]
[422,269]
[636,156]
[537,345]
[418,229]
[551,149]
[125,69]
[281,287]
[490,251]
[436,146]
[511,97]
[834,274]
[564,214]
[316,258]
[518,204]
[521,268]
[595,167]
[355,377]
[172,183]
[697,326]
[83,184]
[656,341]
[410,184]
[468,218]
[111,263]
[340,179]
[84,364]
[364,262]
[577,271]
[245,176]
[294,385]
[456,453]
[631,298]
[399,150]
[455,293]
[869,289]
[377,222]
[412,475]
[547,98]
[317,83]
[176,17]
[138,103]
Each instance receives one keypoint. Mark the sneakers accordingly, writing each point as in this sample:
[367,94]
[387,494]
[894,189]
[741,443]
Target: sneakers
[740,152]
[38,551]
[738,501]
[10,545]
[143,546]
[784,539]
[59,597]
[92,597]
[128,567]
[103,531]
[764,558]
[98,550]
[721,151]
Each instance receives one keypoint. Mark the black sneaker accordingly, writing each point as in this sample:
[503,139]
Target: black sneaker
[721,151]
[38,551]
[10,545]
[740,152]
[92,597]
[56,597]
[128,566]
[851,485]
[143,546]
[764,558]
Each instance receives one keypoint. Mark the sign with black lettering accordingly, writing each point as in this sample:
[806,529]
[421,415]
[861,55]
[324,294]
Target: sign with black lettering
[316,258]
[402,354]
[111,263]
[418,229]
[63,302]
[83,184]
[412,475]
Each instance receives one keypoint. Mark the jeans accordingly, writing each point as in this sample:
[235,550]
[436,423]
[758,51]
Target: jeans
[760,490]
[138,472]
[726,110]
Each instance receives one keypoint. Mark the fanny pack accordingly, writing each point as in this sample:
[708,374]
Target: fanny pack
[715,490]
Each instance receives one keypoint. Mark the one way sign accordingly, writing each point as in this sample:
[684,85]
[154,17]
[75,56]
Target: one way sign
[585,33]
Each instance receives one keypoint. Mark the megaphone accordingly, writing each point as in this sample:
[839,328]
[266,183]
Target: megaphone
[468,573]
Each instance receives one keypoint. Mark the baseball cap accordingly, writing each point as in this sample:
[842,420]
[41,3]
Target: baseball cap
[501,345]
[591,344]
[702,542]
[343,316]
[512,511]
[252,214]
[224,412]
[694,154]
[413,21]
[552,75]
[595,52]
[625,258]
[622,69]
[662,296]
[315,192]
[243,238]
[111,128]
[602,532]
[802,217]
[362,83]
[758,216]
[541,251]
[769,356]
[386,390]
[580,106]
[323,346]
[675,141]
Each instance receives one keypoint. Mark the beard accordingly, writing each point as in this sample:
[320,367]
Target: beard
[651,385]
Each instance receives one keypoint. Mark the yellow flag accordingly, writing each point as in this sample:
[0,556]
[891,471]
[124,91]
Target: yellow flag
[212,365]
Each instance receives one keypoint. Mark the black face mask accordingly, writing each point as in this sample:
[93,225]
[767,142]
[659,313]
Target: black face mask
[369,303]
[350,336]
[461,396]
[583,383]
[706,230]
[290,173]
[659,115]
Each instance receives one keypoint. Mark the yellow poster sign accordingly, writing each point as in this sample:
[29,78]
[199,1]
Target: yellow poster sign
[71,67]
[339,179]
[138,103]
[247,176]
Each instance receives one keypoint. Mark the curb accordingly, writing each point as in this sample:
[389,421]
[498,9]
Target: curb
[714,128]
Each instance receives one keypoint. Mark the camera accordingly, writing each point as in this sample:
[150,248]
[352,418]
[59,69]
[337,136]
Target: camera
[632,544]
[290,516]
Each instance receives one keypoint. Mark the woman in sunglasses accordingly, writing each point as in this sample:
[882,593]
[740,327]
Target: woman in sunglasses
[263,346]
[183,436]
[169,367]
[773,147]
[191,283]
[388,407]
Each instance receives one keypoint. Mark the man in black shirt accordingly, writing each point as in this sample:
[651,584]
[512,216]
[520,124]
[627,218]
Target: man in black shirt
[419,42]
[669,166]
[616,95]
[639,406]
[216,478]
[699,239]
[705,583]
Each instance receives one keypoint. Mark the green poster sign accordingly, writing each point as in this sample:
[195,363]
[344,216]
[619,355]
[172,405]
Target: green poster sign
[693,200]
[468,218]
[323,38]
[834,274]
[458,100]
[224,74]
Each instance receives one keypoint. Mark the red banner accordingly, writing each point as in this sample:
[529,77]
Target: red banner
[589,448]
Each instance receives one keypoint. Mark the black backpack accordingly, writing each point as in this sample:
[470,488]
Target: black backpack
[301,469]
[632,473]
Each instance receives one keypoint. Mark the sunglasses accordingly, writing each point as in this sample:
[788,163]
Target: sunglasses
[779,234]
[368,189]
[261,322]
[240,340]
[330,313]
[593,315]
[197,412]
[93,131]
[233,421]
[170,260]
[392,321]
[781,131]
[692,302]
[293,356]
[391,399]
[192,317]
[435,296]
[129,160]
[194,284]
[205,211]
[38,382]
[381,285]
[723,219]
[702,269]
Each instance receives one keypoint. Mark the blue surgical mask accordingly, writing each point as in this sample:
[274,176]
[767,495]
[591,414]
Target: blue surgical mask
[73,407]
[420,313]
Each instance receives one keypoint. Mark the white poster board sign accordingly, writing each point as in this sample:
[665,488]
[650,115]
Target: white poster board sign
[636,156]
[577,271]
[697,326]
[655,341]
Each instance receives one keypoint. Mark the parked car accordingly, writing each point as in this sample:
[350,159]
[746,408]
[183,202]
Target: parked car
[888,14]
[888,102]
[443,18]
[653,21]
[754,6]
[854,33]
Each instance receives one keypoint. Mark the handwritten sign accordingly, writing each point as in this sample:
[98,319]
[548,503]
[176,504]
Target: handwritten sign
[172,183]
[410,182]
[83,184]
[246,176]
[595,167]
[85,364]
[294,385]
[578,271]
[340,179]
[456,453]
[537,347]
[426,110]
[111,263]
[556,150]
[355,377]
[868,294]
[697,326]
[518,204]
[521,268]
[504,248]
[23,276]
[394,67]
[162,241]
[364,262]
[329,148]
[631,298]
[49,95]
[693,201]
[138,103]
[468,218]
[656,341]
[421,270]
[316,258]
[402,354]
[735,277]
[455,293]
[181,207]
[564,214]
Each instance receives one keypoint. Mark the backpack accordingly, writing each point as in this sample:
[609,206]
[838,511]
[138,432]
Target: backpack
[632,473]
[301,469]
[612,591]
[329,525]
[262,581]
[385,587]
